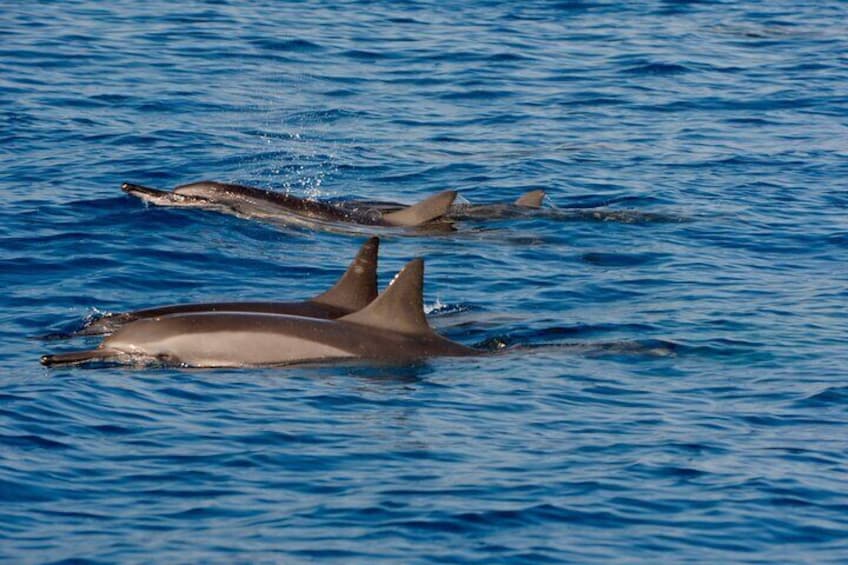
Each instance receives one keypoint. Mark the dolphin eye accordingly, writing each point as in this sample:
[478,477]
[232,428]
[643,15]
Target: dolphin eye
[373,215]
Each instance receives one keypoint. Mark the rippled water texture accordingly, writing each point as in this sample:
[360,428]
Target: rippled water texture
[669,390]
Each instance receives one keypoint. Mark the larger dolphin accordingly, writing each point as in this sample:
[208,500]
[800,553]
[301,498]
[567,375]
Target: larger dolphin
[258,203]
[392,328]
[353,291]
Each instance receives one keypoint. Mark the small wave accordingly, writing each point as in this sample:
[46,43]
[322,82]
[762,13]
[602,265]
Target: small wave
[438,308]
[830,397]
[31,441]
[603,259]
[475,94]
[367,56]
[640,348]
[17,492]
[658,69]
[287,45]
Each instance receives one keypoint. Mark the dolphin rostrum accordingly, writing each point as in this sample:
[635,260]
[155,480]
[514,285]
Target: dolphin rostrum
[255,202]
[391,329]
[353,291]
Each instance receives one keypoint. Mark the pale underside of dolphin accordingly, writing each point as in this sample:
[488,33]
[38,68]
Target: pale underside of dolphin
[253,202]
[391,329]
[353,291]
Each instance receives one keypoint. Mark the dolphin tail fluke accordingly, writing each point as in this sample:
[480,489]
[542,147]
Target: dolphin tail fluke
[76,357]
[532,199]
[358,286]
[401,306]
[426,210]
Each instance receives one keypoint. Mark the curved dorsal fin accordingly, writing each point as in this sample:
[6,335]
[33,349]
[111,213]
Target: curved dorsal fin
[426,210]
[532,199]
[358,286]
[401,306]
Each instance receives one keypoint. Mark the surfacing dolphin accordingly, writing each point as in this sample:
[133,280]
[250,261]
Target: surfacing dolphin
[258,203]
[437,214]
[354,290]
[526,204]
[529,205]
[391,329]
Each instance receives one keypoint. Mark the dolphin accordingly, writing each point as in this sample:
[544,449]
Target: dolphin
[527,202]
[353,291]
[256,202]
[529,205]
[523,205]
[436,214]
[391,329]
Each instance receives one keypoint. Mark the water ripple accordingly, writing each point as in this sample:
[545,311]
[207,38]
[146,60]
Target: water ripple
[666,336]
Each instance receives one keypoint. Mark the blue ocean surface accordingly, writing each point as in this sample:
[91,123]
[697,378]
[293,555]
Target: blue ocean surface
[668,379]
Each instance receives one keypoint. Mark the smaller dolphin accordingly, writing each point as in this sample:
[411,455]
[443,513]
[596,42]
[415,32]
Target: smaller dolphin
[524,205]
[354,290]
[391,329]
[255,202]
[527,202]
[528,205]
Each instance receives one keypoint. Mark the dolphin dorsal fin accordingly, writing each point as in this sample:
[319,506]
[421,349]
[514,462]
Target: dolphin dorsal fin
[532,199]
[401,306]
[358,286]
[426,210]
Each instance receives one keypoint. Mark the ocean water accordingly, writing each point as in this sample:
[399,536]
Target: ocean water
[673,388]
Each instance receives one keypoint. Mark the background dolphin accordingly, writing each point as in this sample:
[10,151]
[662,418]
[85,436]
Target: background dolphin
[523,205]
[527,202]
[255,202]
[353,291]
[392,328]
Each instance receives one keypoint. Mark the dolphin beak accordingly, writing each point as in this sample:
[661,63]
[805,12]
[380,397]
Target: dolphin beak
[151,195]
[138,189]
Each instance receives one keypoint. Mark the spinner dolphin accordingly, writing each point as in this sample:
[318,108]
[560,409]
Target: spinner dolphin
[391,329]
[354,290]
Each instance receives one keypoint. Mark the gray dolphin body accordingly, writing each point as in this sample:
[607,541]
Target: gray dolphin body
[391,329]
[257,203]
[527,203]
[353,291]
[436,214]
